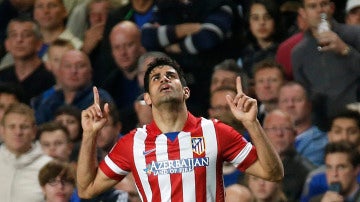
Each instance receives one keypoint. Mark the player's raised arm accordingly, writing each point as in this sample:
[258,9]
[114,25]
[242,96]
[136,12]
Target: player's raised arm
[91,181]
[244,108]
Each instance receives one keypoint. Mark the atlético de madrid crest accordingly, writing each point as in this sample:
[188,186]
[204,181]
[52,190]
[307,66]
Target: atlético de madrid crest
[198,145]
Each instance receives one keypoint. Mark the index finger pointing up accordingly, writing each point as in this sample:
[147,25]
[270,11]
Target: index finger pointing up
[96,96]
[238,85]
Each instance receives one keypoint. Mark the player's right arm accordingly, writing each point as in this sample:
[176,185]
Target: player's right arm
[91,181]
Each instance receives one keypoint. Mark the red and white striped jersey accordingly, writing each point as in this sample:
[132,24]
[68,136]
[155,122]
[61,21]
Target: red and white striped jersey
[186,169]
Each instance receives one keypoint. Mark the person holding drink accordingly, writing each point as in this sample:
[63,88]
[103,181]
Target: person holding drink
[327,62]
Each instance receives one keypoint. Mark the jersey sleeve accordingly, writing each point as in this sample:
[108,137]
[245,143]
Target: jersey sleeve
[118,162]
[234,147]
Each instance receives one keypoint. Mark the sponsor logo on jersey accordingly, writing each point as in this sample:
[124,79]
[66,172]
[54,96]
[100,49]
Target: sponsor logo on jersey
[175,166]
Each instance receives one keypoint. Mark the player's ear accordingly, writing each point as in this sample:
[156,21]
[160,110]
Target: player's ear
[186,92]
[147,99]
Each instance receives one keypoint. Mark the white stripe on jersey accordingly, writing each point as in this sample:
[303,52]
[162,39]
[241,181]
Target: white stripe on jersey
[242,155]
[188,178]
[140,163]
[162,155]
[116,169]
[211,150]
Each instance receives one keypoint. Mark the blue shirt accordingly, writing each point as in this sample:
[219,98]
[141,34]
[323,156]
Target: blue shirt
[311,144]
[83,99]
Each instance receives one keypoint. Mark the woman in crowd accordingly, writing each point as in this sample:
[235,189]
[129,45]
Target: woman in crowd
[264,28]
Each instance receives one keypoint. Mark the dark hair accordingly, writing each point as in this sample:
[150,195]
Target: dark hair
[272,8]
[163,61]
[24,19]
[349,114]
[344,147]
[72,111]
[53,126]
[55,169]
[13,89]
[62,43]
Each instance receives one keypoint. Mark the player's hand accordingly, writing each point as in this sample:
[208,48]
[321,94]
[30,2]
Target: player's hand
[242,106]
[93,118]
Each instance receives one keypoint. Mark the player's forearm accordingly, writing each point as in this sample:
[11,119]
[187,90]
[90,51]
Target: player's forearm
[87,165]
[268,157]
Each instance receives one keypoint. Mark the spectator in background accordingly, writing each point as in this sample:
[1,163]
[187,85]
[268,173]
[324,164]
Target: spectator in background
[269,76]
[20,158]
[23,42]
[283,53]
[10,9]
[197,34]
[224,75]
[9,94]
[310,141]
[265,191]
[55,52]
[136,11]
[342,161]
[143,62]
[345,126]
[51,15]
[281,132]
[143,111]
[97,13]
[75,78]
[70,117]
[334,54]
[125,39]
[57,180]
[352,12]
[55,141]
[264,34]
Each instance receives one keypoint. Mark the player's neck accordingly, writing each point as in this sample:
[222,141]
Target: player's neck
[170,120]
